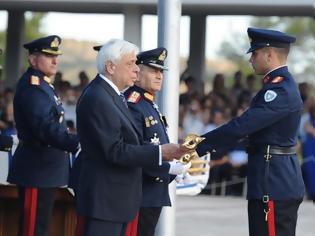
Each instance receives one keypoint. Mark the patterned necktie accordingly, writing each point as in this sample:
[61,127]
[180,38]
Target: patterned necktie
[123,99]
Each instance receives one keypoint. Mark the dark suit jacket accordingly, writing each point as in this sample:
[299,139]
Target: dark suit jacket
[109,180]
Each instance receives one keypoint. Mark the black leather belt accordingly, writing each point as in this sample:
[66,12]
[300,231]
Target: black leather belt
[276,150]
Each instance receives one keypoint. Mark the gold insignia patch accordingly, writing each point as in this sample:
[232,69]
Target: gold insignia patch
[47,79]
[162,56]
[276,80]
[35,80]
[147,122]
[54,43]
[148,96]
[134,97]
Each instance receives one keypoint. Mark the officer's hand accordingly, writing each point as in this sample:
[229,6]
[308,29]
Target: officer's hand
[171,151]
[177,168]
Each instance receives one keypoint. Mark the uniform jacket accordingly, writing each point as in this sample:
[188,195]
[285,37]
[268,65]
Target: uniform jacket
[152,127]
[272,119]
[40,159]
[109,180]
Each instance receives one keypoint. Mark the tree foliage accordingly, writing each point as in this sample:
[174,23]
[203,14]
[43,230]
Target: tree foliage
[302,56]
[33,23]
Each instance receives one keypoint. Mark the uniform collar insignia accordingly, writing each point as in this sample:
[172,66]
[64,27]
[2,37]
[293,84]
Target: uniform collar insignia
[148,96]
[266,79]
[47,79]
[277,79]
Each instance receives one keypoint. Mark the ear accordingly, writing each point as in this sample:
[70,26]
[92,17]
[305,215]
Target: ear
[110,67]
[32,59]
[270,53]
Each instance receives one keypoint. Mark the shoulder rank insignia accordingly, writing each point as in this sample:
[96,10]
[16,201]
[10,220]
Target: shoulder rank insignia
[276,80]
[148,96]
[134,97]
[35,80]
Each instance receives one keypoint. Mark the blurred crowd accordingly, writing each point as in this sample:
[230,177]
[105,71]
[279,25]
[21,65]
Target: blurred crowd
[198,114]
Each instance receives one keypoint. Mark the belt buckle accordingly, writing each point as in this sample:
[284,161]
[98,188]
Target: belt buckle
[265,198]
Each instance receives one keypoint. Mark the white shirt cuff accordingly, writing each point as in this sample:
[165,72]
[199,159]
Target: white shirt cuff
[160,155]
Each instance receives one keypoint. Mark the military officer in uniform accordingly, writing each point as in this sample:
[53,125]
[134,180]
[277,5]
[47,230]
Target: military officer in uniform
[40,163]
[275,185]
[153,127]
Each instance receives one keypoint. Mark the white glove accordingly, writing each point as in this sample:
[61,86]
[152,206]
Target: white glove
[15,139]
[177,168]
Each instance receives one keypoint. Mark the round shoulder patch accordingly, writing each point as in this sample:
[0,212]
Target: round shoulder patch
[270,95]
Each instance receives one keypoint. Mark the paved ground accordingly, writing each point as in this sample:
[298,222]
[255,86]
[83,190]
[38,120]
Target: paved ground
[227,216]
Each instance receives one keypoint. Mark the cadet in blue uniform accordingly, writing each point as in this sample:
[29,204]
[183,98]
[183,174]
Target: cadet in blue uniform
[40,163]
[153,127]
[275,185]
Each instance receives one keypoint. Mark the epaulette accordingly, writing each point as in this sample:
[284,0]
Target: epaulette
[47,79]
[134,97]
[148,96]
[34,80]
[277,79]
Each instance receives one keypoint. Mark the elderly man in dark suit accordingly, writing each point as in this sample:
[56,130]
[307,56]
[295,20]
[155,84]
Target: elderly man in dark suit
[108,189]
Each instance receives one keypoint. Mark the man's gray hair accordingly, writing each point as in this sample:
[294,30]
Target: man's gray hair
[112,51]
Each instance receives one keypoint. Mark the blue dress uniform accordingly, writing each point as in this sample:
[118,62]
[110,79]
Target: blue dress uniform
[270,124]
[153,129]
[40,163]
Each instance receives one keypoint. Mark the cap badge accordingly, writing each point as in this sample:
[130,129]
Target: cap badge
[162,56]
[54,43]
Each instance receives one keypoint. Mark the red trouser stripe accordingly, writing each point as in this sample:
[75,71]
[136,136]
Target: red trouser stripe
[271,219]
[79,231]
[132,226]
[30,205]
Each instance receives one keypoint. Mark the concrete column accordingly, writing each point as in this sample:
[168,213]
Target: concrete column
[169,14]
[132,25]
[14,50]
[196,61]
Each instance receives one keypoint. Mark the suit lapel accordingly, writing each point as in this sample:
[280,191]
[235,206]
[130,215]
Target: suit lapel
[118,101]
